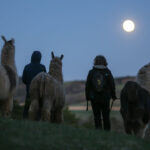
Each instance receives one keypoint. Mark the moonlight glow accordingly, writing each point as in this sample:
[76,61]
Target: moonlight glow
[128,25]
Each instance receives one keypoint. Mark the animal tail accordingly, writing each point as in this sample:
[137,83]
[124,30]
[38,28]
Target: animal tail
[42,85]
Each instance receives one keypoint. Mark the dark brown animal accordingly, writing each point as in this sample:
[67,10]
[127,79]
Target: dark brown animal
[135,108]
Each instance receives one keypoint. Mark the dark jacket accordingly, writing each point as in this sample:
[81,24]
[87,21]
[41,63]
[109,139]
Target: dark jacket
[32,69]
[109,91]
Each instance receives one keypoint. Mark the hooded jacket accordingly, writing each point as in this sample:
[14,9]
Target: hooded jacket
[32,69]
[108,93]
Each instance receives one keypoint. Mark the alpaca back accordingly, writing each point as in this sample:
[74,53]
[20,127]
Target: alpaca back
[44,86]
[143,77]
[38,85]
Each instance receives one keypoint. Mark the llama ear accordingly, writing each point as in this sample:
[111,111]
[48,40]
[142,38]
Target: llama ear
[61,57]
[52,54]
[3,38]
[12,41]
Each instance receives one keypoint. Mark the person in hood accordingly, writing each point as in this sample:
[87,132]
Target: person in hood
[99,89]
[29,72]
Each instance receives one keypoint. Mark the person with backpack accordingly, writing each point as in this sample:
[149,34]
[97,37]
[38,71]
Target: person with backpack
[29,72]
[100,88]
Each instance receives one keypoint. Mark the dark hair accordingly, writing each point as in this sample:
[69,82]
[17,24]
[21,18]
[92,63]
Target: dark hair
[100,60]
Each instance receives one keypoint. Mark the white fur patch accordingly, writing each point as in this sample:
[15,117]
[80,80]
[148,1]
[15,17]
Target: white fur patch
[144,130]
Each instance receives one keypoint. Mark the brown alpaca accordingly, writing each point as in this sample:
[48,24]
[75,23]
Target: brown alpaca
[143,78]
[8,77]
[47,93]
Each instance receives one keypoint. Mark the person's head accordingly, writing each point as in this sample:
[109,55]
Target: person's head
[100,60]
[36,57]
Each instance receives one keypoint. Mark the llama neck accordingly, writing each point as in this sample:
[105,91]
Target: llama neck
[8,59]
[56,73]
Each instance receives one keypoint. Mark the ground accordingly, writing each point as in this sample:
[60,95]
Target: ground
[24,134]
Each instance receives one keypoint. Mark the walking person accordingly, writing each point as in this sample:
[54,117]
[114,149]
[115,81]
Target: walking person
[29,72]
[100,88]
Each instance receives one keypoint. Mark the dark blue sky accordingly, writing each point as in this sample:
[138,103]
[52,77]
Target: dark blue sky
[79,29]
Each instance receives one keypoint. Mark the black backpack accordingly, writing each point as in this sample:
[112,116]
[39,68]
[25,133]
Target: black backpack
[99,81]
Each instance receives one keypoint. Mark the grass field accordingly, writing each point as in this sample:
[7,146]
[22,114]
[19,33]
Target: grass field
[80,118]
[82,113]
[86,117]
[76,133]
[28,135]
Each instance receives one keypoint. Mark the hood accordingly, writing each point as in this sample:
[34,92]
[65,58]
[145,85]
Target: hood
[36,57]
[99,67]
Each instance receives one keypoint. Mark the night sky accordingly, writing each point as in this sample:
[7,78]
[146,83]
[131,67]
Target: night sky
[79,29]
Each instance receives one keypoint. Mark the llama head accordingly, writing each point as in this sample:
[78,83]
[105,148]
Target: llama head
[56,60]
[55,68]
[8,52]
[8,45]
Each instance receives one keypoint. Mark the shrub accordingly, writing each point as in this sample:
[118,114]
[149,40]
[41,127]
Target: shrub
[70,117]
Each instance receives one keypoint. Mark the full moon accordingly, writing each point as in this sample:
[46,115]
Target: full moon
[128,25]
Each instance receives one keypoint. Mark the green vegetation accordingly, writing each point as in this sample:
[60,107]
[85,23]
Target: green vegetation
[80,118]
[29,135]
[118,89]
[76,133]
[17,111]
[70,118]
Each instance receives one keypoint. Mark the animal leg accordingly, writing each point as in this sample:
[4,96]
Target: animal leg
[52,116]
[58,116]
[128,128]
[147,133]
[33,110]
[46,109]
[6,107]
[142,132]
[3,108]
